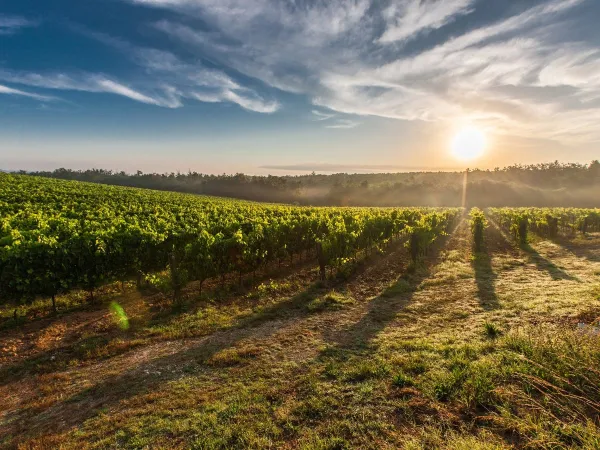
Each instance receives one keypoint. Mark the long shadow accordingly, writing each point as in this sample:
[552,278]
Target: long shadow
[57,358]
[544,264]
[485,278]
[383,309]
[153,374]
[591,251]
[150,375]
[107,293]
[46,362]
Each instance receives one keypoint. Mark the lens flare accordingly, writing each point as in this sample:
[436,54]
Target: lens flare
[119,315]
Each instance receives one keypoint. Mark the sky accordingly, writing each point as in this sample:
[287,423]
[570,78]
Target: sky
[294,86]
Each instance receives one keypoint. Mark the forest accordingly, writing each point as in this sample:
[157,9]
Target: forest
[547,184]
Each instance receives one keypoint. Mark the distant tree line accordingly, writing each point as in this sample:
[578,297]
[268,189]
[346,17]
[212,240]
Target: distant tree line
[547,184]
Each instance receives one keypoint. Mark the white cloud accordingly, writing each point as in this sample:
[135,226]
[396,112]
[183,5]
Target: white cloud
[214,87]
[337,53]
[319,115]
[251,103]
[13,24]
[11,91]
[171,101]
[363,57]
[256,104]
[343,124]
[406,19]
[91,83]
[182,79]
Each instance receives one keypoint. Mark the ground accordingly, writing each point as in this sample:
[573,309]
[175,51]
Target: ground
[490,350]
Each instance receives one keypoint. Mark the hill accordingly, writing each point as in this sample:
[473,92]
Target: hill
[552,184]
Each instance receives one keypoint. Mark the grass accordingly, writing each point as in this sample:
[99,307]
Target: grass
[463,353]
[492,330]
[330,301]
[402,380]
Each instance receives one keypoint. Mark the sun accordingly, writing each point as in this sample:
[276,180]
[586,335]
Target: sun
[468,144]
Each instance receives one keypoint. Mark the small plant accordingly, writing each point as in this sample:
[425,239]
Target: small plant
[492,330]
[271,288]
[402,286]
[402,380]
[160,282]
[366,370]
[552,226]
[331,301]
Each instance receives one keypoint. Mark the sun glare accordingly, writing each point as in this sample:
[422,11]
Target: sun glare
[468,144]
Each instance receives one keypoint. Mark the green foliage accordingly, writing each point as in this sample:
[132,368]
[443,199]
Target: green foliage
[330,301]
[425,230]
[492,330]
[402,380]
[546,222]
[478,224]
[56,236]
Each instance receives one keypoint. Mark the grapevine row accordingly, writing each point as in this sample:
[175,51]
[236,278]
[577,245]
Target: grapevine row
[546,222]
[56,236]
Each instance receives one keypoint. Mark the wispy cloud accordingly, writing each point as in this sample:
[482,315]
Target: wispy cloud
[345,56]
[406,19]
[253,104]
[331,120]
[91,83]
[13,24]
[343,124]
[163,95]
[320,116]
[169,100]
[524,71]
[185,80]
[10,91]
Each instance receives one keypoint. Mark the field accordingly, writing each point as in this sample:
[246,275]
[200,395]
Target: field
[143,319]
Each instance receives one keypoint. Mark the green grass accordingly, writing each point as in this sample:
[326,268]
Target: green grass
[330,301]
[491,330]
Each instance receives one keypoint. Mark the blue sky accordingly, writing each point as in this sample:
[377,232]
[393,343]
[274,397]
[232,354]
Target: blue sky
[270,86]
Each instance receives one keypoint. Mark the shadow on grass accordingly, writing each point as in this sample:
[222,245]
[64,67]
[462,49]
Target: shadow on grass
[498,242]
[145,374]
[589,251]
[544,264]
[383,309]
[485,278]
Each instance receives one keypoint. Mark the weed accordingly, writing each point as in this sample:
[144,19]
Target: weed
[492,330]
[233,356]
[331,301]
[366,369]
[402,380]
[400,287]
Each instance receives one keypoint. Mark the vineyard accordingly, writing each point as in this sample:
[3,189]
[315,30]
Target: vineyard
[135,318]
[546,222]
[56,236]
